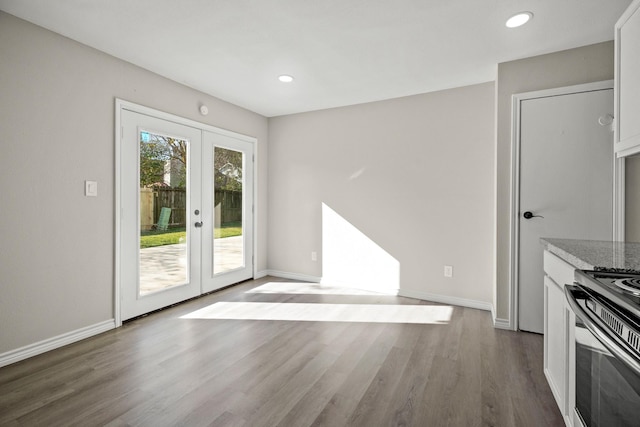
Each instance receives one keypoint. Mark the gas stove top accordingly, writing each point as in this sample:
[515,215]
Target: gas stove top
[621,288]
[630,284]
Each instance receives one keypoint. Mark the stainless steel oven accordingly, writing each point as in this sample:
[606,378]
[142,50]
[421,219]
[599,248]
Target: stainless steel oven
[607,348]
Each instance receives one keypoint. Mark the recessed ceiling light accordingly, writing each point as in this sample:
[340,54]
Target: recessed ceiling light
[519,19]
[285,78]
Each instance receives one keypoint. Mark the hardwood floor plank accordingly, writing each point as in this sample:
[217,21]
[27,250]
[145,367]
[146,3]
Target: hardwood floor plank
[227,419]
[281,402]
[307,409]
[467,390]
[341,406]
[408,395]
[214,389]
[351,347]
[369,409]
[170,368]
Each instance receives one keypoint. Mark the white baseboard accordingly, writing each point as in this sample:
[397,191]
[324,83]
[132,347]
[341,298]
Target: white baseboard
[292,276]
[499,323]
[260,274]
[502,324]
[445,299]
[43,346]
[337,282]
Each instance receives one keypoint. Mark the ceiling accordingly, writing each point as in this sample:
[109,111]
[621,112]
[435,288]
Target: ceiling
[341,52]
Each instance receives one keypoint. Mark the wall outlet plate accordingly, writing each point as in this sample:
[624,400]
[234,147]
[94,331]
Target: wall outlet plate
[448,271]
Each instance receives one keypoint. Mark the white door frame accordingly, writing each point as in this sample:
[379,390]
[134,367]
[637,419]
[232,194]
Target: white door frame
[514,223]
[126,105]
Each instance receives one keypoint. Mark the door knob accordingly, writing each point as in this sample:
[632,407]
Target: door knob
[529,215]
[198,224]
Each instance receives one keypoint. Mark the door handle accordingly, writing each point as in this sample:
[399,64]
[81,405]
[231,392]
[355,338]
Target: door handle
[198,224]
[529,215]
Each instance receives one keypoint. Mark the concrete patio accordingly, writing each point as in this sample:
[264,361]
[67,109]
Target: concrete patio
[162,267]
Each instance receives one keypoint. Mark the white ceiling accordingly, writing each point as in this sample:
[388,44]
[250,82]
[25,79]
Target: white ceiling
[341,52]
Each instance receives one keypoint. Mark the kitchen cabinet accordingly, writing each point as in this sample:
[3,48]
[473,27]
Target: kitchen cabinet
[557,327]
[627,82]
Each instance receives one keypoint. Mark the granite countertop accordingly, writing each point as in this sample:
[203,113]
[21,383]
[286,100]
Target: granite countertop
[597,255]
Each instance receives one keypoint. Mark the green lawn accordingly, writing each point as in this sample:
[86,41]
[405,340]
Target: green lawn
[228,230]
[150,239]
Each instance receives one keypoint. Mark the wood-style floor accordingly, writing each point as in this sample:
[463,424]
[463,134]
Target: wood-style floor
[200,364]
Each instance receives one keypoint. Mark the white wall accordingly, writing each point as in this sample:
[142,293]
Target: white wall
[56,128]
[414,176]
[566,68]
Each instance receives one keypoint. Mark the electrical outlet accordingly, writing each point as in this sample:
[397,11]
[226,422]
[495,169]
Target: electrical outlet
[314,256]
[448,271]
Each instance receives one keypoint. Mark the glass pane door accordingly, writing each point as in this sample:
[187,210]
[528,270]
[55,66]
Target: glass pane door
[228,180]
[164,193]
[160,191]
[186,212]
[228,204]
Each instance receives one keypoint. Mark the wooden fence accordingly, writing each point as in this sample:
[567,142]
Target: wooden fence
[173,198]
[228,206]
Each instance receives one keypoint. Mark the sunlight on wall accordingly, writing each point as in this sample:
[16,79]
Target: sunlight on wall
[356,174]
[373,313]
[350,258]
[301,288]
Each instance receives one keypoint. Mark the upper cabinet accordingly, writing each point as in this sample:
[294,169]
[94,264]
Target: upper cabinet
[627,82]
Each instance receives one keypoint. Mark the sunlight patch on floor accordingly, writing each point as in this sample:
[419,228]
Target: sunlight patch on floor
[372,313]
[300,288]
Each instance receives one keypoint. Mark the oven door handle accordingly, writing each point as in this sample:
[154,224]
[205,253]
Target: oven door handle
[607,341]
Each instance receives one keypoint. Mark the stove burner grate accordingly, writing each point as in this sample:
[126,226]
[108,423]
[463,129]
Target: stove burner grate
[630,285]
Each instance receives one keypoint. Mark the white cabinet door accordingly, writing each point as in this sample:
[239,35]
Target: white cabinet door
[555,356]
[627,91]
[557,327]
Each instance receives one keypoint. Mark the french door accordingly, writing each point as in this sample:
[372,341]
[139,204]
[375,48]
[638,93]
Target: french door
[186,220]
[227,191]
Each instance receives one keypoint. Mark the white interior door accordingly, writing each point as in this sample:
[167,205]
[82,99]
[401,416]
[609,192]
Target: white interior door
[160,191]
[566,182]
[228,204]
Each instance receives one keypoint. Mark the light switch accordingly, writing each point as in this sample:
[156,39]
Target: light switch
[91,188]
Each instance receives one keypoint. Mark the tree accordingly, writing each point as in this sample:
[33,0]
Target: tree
[160,154]
[157,153]
[153,157]
[228,169]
